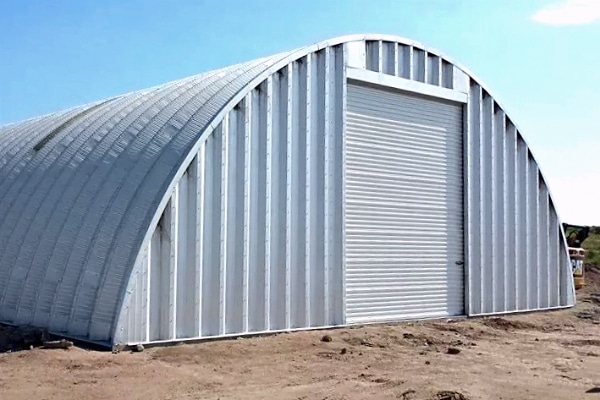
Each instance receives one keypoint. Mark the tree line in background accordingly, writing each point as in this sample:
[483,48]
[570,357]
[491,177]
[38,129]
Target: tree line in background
[592,246]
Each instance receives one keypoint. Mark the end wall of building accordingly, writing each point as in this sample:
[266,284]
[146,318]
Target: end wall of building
[251,236]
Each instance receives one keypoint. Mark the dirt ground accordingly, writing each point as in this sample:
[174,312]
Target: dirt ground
[551,355]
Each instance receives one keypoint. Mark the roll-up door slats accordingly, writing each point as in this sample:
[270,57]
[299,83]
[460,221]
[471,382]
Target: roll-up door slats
[404,207]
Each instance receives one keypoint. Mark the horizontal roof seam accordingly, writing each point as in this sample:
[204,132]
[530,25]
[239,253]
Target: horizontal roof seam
[66,124]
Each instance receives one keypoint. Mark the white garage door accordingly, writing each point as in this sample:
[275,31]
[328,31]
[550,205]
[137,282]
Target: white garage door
[404,206]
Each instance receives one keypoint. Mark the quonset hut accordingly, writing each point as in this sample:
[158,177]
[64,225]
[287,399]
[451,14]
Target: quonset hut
[362,179]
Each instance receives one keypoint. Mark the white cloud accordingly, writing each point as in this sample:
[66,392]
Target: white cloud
[569,12]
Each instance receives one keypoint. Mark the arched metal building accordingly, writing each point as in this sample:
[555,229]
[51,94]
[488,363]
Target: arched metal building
[363,179]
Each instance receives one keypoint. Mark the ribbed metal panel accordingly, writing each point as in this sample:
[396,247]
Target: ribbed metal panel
[82,192]
[255,237]
[404,202]
[73,210]
[517,257]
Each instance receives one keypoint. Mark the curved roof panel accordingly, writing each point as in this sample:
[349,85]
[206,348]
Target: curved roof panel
[78,187]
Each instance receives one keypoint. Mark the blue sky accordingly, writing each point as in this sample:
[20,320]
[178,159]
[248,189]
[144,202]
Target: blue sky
[540,58]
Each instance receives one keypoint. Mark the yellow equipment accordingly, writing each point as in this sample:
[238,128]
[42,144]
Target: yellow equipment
[575,237]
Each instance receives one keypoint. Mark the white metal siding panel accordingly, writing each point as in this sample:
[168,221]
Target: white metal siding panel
[186,271]
[516,252]
[404,202]
[508,241]
[263,268]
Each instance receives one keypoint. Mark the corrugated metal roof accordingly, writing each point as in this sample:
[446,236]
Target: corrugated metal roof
[78,188]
